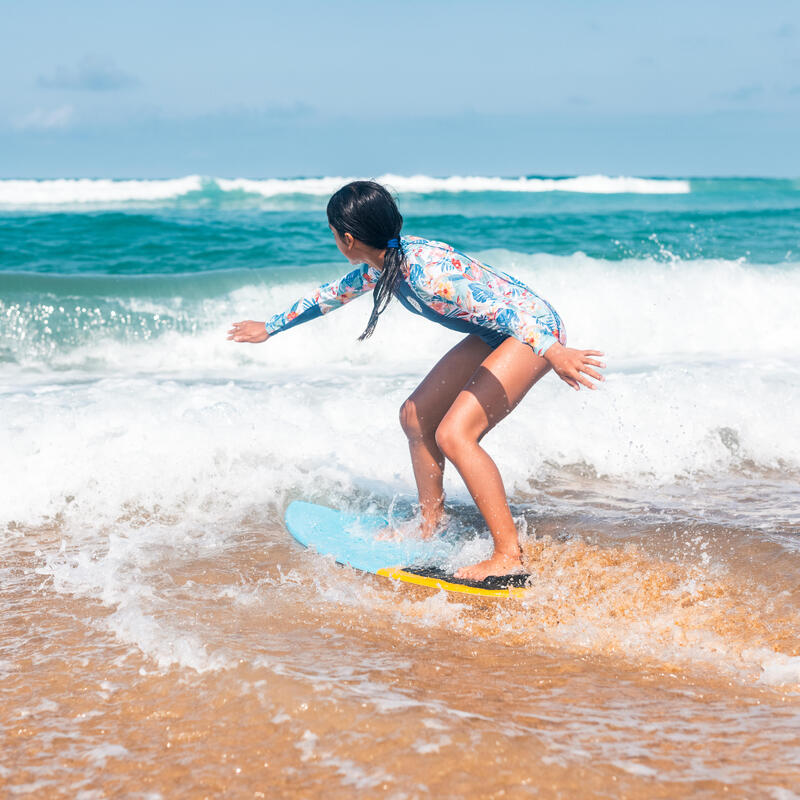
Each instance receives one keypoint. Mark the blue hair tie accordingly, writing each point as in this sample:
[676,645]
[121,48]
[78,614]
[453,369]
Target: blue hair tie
[392,243]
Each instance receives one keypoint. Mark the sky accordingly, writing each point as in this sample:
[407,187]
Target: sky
[509,87]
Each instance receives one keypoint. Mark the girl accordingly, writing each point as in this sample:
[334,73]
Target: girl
[514,338]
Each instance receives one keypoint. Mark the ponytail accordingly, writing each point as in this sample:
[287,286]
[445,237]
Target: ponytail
[384,289]
[367,211]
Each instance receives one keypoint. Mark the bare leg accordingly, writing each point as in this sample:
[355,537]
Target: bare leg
[495,388]
[421,414]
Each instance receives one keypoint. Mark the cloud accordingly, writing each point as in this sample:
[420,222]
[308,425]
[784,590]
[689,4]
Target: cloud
[91,73]
[786,31]
[41,119]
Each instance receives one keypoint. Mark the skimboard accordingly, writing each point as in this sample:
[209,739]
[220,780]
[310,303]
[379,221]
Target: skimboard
[352,540]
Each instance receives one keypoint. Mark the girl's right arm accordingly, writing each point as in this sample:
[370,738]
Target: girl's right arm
[320,301]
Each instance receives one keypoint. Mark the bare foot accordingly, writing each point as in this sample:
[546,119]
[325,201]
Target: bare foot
[433,525]
[498,564]
[427,529]
[389,535]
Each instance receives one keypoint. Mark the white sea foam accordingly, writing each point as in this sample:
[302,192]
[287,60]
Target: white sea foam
[690,356]
[99,191]
[425,184]
[645,312]
[204,447]
[93,190]
[777,668]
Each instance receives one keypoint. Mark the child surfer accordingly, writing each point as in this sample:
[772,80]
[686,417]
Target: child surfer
[514,338]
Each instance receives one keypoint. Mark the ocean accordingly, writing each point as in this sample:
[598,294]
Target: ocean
[164,637]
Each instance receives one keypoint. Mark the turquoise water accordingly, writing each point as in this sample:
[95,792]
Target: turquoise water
[211,230]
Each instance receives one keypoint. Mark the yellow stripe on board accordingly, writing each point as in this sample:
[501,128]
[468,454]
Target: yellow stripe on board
[398,574]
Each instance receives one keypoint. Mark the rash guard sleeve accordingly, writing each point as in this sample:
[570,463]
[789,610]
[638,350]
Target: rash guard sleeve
[501,305]
[325,298]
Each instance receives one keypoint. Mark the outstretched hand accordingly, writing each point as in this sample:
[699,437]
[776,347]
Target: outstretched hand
[248,331]
[572,365]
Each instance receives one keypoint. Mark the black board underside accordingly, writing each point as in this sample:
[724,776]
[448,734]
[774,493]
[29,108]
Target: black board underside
[515,581]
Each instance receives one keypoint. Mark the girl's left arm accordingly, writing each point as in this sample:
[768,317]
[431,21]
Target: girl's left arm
[325,298]
[317,302]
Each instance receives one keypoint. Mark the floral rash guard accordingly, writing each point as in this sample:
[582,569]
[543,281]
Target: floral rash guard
[447,287]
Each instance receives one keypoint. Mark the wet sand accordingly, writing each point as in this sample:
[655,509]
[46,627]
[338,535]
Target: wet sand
[261,670]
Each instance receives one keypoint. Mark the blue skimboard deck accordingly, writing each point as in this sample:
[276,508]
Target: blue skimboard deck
[352,539]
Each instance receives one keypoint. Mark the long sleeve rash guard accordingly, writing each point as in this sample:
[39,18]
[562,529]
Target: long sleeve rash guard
[447,287]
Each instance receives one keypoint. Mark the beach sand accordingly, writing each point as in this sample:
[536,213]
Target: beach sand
[627,674]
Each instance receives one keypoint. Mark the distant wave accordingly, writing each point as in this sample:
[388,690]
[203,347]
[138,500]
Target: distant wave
[424,184]
[94,190]
[72,191]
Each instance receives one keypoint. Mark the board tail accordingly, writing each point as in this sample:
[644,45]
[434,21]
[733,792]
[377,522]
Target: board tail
[434,578]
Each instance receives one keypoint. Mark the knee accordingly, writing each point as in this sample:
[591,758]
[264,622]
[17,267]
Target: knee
[449,438]
[410,420]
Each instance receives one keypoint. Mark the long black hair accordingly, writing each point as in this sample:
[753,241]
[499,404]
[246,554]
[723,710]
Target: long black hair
[367,211]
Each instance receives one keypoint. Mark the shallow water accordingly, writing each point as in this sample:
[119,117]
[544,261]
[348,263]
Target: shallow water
[203,668]
[164,637]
